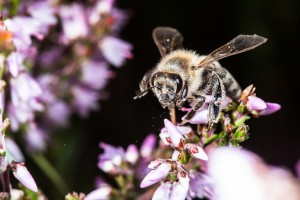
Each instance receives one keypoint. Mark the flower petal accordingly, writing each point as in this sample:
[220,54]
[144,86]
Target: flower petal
[132,154]
[22,174]
[255,103]
[175,135]
[196,151]
[148,145]
[156,175]
[101,193]
[271,108]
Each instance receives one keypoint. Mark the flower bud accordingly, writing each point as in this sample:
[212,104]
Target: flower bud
[156,175]
[22,174]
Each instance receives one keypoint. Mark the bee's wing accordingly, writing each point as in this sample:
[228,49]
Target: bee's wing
[167,39]
[237,45]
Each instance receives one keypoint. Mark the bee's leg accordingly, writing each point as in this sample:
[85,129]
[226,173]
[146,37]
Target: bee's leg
[144,85]
[200,101]
[218,94]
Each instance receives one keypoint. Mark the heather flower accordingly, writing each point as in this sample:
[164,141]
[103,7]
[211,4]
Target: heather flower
[101,193]
[173,190]
[239,174]
[22,174]
[112,157]
[174,137]
[58,113]
[73,21]
[132,154]
[36,137]
[115,50]
[259,107]
[95,74]
[85,100]
[13,151]
[270,109]
[201,116]
[43,12]
[148,145]
[156,174]
[201,185]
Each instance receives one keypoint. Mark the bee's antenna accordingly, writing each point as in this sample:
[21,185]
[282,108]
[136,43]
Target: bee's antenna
[140,94]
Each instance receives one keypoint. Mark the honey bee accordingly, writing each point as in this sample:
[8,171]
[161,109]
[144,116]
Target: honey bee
[184,76]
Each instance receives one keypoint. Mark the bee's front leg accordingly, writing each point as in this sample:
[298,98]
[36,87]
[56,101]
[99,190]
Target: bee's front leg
[199,102]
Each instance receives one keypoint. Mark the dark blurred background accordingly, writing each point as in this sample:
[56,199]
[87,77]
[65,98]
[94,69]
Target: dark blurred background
[205,25]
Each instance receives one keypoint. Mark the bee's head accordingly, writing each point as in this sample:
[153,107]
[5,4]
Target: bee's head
[166,87]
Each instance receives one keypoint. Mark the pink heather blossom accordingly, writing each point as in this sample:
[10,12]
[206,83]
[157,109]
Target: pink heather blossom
[155,163]
[261,107]
[13,151]
[23,28]
[58,113]
[132,154]
[73,21]
[111,159]
[239,174]
[24,88]
[95,74]
[36,138]
[85,100]
[176,137]
[201,116]
[173,191]
[148,145]
[156,174]
[101,193]
[196,151]
[43,12]
[201,185]
[271,108]
[14,62]
[115,50]
[22,174]
[255,103]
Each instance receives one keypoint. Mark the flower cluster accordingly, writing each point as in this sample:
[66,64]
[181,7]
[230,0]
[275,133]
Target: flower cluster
[186,162]
[6,160]
[55,59]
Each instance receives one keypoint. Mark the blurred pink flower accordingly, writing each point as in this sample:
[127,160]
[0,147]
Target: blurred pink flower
[148,145]
[95,74]
[36,138]
[73,21]
[101,193]
[240,174]
[43,12]
[85,100]
[201,185]
[132,154]
[115,50]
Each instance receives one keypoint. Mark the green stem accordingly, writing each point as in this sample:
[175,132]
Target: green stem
[50,171]
[210,139]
